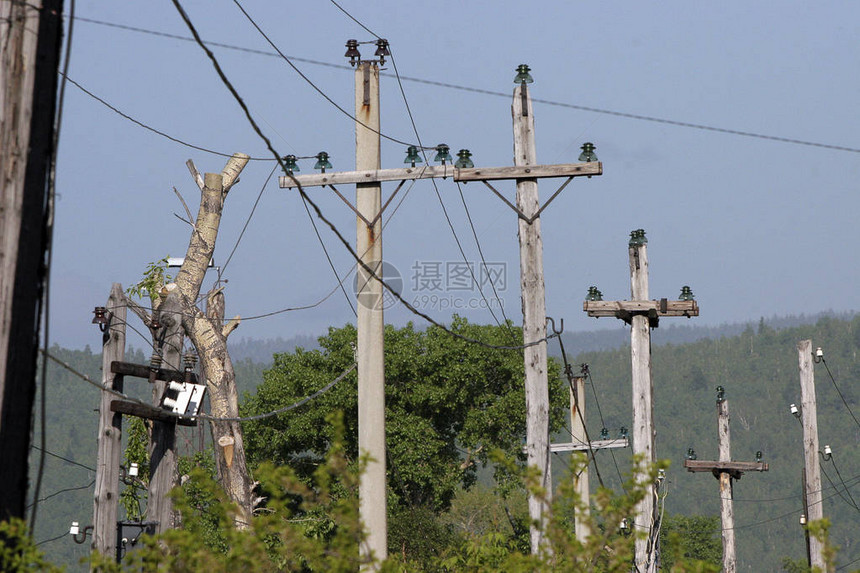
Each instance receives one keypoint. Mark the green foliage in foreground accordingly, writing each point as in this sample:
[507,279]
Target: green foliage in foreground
[18,553]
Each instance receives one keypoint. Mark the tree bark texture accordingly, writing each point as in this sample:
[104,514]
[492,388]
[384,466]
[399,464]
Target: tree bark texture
[209,337]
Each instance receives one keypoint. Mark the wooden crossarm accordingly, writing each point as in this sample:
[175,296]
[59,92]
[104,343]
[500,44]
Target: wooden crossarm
[149,412]
[595,445]
[736,469]
[436,171]
[622,308]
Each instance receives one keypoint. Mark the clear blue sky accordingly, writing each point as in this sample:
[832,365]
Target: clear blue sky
[756,227]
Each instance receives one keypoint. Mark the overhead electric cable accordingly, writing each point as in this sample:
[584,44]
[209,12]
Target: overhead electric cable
[247,222]
[447,85]
[65,490]
[371,273]
[312,84]
[569,374]
[148,127]
[58,456]
[201,416]
[435,186]
[838,391]
[328,257]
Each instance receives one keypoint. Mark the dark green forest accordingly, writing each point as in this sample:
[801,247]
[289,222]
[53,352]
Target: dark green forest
[756,364]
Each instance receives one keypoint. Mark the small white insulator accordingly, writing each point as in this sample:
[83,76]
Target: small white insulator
[75,528]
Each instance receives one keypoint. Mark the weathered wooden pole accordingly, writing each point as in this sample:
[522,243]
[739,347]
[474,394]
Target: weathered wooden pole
[577,434]
[163,474]
[368,178]
[809,419]
[31,35]
[642,315]
[643,398]
[370,320]
[534,317]
[106,498]
[725,470]
[727,512]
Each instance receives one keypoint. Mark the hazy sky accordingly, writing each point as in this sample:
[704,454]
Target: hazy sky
[755,226]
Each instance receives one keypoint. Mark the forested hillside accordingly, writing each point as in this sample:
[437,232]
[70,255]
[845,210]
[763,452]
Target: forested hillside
[759,371]
[757,367]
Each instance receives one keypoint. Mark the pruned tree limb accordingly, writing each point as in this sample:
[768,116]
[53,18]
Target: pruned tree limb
[184,204]
[231,325]
[195,174]
[232,169]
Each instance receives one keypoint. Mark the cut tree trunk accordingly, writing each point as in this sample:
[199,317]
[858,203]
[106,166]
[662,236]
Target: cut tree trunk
[209,336]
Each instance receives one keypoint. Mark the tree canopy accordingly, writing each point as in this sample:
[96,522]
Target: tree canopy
[449,402]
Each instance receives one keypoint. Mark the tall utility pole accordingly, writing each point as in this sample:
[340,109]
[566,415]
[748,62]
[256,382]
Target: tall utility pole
[106,495]
[370,321]
[534,314]
[642,315]
[809,419]
[369,210]
[29,59]
[725,470]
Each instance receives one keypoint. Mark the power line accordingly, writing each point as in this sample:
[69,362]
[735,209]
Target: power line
[312,84]
[149,127]
[247,222]
[587,371]
[58,456]
[52,539]
[435,186]
[838,391]
[839,475]
[569,374]
[483,259]
[328,257]
[68,489]
[371,273]
[201,416]
[447,85]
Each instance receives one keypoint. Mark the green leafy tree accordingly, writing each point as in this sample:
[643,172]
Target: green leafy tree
[693,537]
[448,403]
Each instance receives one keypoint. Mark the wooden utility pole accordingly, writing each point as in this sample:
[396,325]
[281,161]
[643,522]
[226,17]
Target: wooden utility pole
[163,474]
[725,470]
[581,443]
[31,35]
[809,419]
[534,315]
[369,210]
[106,495]
[578,434]
[642,315]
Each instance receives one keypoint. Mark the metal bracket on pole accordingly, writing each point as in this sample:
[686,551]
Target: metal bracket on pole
[371,222]
[366,68]
[520,214]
